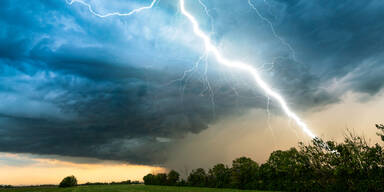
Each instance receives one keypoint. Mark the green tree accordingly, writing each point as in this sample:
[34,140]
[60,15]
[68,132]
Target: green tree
[173,177]
[286,170]
[244,173]
[380,127]
[352,165]
[161,179]
[219,176]
[69,181]
[149,179]
[198,178]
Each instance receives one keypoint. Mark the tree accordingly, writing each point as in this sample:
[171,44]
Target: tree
[286,170]
[69,181]
[352,165]
[149,179]
[173,177]
[219,176]
[161,179]
[381,128]
[244,173]
[197,178]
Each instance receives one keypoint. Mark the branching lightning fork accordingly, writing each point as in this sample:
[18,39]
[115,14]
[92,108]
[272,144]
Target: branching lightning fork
[253,6]
[243,66]
[209,47]
[70,2]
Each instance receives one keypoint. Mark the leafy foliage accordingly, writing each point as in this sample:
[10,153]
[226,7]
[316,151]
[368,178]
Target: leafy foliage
[352,165]
[198,178]
[149,179]
[244,173]
[69,181]
[219,176]
[162,179]
[173,177]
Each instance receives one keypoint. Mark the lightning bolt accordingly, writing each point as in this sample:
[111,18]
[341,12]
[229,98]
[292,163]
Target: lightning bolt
[245,67]
[293,54]
[208,14]
[209,47]
[70,2]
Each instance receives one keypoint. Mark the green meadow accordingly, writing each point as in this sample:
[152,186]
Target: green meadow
[122,188]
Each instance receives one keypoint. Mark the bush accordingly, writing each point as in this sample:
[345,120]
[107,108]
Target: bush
[69,181]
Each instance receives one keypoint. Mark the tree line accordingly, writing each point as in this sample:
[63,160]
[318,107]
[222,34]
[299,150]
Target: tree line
[352,165]
[71,181]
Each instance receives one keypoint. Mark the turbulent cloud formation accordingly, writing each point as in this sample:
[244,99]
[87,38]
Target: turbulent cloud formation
[76,85]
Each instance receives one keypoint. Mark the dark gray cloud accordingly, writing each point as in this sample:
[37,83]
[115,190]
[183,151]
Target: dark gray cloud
[76,85]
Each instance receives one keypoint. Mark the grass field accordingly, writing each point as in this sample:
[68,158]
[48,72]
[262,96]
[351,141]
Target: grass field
[122,188]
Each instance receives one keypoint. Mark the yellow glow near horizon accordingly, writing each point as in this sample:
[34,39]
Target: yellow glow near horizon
[52,171]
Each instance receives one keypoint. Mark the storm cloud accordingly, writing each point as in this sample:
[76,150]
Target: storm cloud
[73,84]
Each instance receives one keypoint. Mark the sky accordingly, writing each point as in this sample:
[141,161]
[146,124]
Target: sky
[89,96]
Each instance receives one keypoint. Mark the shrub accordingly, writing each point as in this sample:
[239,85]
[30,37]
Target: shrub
[69,181]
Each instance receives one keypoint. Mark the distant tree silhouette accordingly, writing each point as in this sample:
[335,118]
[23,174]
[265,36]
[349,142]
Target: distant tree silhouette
[149,179]
[161,179]
[69,181]
[182,183]
[173,177]
[198,178]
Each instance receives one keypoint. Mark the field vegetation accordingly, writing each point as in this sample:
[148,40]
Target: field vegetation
[121,188]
